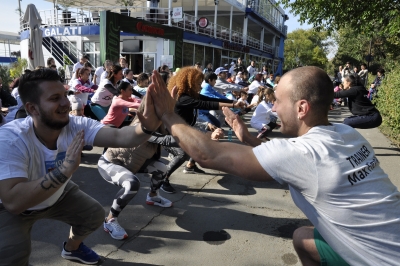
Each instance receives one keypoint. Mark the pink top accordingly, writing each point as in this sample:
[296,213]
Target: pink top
[118,111]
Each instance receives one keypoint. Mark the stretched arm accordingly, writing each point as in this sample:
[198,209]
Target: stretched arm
[345,93]
[227,157]
[18,194]
[132,136]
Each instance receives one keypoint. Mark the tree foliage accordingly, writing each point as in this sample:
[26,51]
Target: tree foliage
[366,16]
[18,67]
[306,47]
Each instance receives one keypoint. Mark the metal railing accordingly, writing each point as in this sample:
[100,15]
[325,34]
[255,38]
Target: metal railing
[90,15]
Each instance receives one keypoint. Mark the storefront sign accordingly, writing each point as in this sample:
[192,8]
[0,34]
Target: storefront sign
[177,12]
[62,31]
[236,47]
[149,29]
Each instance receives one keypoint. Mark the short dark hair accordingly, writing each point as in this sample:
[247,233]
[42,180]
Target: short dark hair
[381,70]
[123,86]
[164,67]
[353,79]
[127,70]
[363,64]
[29,84]
[142,77]
[82,71]
[87,64]
[85,57]
[313,85]
[243,93]
[210,76]
[49,60]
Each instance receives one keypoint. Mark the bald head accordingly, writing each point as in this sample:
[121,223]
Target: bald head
[313,85]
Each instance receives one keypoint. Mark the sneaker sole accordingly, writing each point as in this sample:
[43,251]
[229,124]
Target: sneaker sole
[78,259]
[109,232]
[157,204]
[188,172]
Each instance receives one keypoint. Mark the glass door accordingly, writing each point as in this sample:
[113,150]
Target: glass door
[149,63]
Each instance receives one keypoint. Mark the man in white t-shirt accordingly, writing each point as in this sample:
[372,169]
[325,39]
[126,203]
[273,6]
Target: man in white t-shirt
[332,172]
[252,68]
[99,71]
[254,86]
[81,63]
[38,156]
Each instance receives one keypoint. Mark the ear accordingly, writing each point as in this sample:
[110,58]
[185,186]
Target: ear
[303,108]
[32,109]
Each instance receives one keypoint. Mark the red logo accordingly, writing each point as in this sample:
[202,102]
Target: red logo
[149,29]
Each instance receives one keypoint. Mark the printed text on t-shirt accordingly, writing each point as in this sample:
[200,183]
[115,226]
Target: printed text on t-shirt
[364,172]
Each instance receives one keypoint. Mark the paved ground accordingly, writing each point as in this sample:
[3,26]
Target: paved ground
[216,219]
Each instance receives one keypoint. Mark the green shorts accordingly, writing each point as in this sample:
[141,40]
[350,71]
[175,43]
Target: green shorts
[327,254]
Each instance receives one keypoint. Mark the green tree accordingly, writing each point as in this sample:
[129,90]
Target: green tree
[306,47]
[18,68]
[364,16]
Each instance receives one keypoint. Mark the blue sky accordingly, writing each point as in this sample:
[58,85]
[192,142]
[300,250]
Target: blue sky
[9,20]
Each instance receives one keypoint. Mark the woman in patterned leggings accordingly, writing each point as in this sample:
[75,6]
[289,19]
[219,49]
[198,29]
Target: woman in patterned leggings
[118,166]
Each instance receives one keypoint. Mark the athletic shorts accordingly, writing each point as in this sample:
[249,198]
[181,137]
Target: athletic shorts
[326,253]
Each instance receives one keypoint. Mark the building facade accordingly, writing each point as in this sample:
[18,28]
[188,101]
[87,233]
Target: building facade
[173,32]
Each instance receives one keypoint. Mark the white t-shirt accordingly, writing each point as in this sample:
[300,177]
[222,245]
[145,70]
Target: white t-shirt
[253,88]
[27,157]
[98,72]
[102,96]
[261,116]
[251,70]
[140,89]
[84,95]
[103,75]
[335,179]
[76,67]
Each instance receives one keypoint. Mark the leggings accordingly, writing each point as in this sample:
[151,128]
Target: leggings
[179,158]
[129,183]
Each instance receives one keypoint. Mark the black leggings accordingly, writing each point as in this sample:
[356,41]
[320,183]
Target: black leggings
[180,156]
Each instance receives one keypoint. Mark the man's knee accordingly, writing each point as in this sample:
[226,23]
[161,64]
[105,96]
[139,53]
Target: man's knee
[301,234]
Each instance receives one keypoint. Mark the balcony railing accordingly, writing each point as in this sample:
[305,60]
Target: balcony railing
[90,15]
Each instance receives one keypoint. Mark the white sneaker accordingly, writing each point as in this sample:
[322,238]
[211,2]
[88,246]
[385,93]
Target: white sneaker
[158,201]
[114,229]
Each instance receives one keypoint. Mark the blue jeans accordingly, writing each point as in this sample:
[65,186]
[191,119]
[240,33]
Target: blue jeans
[364,121]
[207,117]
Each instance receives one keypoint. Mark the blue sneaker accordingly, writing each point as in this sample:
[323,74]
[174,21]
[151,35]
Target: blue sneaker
[82,254]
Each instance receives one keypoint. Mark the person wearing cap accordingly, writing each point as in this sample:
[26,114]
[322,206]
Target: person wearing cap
[252,68]
[222,86]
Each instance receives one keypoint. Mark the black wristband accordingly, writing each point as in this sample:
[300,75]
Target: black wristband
[148,132]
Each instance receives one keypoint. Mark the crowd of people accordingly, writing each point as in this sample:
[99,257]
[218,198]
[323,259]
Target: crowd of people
[133,116]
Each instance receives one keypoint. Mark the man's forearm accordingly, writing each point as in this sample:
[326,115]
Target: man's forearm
[25,195]
[133,136]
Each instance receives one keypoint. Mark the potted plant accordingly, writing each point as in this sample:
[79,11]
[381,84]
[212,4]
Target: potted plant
[125,3]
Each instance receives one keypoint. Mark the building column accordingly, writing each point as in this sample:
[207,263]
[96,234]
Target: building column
[273,42]
[262,39]
[196,11]
[215,18]
[245,22]
[169,12]
[230,24]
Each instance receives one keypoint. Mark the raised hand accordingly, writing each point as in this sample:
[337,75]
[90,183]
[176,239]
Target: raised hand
[161,97]
[149,118]
[73,154]
[236,123]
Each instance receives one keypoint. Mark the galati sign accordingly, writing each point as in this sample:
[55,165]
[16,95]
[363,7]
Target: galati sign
[149,29]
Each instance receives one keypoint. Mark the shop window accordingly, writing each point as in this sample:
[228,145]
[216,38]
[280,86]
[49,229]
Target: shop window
[199,54]
[149,46]
[217,58]
[188,54]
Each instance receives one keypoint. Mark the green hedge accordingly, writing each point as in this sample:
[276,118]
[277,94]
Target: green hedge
[388,103]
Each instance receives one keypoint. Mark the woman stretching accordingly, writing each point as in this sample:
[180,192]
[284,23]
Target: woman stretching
[365,115]
[189,100]
[119,166]
[121,106]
